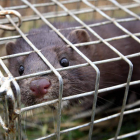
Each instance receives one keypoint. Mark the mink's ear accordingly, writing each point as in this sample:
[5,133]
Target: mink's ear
[10,47]
[78,36]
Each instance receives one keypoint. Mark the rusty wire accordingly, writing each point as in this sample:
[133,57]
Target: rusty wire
[4,13]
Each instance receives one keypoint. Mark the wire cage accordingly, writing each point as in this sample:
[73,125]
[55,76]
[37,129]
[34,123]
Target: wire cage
[18,17]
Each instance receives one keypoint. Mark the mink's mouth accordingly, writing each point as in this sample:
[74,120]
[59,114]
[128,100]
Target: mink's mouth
[39,90]
[39,95]
[31,99]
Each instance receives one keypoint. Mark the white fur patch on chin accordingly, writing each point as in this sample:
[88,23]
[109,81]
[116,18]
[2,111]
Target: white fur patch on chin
[64,104]
[46,97]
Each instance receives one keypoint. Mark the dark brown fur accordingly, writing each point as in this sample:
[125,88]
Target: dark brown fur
[79,80]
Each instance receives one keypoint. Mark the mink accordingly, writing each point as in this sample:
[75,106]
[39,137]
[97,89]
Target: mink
[79,80]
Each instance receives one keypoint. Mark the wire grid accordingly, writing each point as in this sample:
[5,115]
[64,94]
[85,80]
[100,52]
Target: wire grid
[74,14]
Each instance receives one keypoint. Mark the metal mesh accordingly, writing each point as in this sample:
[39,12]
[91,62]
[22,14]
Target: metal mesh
[61,11]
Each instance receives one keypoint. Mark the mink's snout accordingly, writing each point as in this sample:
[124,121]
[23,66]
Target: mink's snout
[39,87]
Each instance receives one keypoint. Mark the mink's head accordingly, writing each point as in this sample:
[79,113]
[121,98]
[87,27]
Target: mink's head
[55,50]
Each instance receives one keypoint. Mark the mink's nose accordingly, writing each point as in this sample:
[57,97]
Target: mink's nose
[39,87]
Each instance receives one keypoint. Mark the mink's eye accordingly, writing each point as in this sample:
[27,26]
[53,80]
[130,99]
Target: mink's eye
[21,70]
[64,62]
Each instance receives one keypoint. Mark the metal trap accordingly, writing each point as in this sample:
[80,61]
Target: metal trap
[35,13]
